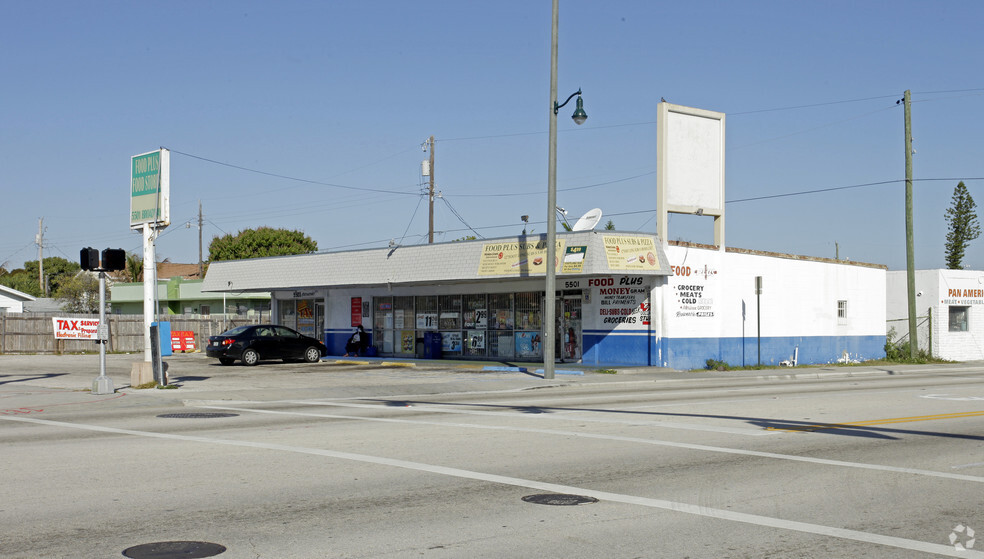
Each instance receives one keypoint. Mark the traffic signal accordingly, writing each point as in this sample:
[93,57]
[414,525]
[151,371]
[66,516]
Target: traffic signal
[113,259]
[89,258]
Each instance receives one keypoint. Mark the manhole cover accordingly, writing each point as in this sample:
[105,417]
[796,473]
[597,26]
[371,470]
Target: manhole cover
[559,499]
[196,415]
[174,550]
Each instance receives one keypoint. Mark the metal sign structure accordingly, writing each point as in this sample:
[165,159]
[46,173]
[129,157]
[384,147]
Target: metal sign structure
[150,189]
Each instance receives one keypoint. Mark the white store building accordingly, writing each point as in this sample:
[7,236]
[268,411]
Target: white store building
[622,299]
[949,310]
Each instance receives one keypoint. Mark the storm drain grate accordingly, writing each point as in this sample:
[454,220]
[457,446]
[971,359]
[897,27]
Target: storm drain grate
[197,415]
[559,499]
[174,550]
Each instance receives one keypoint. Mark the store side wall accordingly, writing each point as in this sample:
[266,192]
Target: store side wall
[820,312]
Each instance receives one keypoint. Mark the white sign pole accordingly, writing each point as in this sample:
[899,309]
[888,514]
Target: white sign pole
[150,284]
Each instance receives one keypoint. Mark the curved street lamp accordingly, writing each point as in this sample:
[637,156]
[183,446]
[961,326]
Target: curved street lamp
[579,115]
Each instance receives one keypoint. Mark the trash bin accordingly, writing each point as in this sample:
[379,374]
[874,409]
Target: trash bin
[432,345]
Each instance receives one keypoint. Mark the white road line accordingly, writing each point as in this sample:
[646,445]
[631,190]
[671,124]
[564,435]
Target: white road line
[688,446]
[698,510]
[551,415]
[974,465]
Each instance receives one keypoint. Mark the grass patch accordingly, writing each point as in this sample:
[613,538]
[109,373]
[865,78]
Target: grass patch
[153,384]
[606,371]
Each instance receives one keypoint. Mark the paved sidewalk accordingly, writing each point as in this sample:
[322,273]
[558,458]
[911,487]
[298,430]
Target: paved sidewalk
[196,376]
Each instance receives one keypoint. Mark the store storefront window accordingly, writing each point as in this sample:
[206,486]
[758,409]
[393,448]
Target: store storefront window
[403,326]
[476,322]
[501,343]
[449,309]
[528,323]
[382,335]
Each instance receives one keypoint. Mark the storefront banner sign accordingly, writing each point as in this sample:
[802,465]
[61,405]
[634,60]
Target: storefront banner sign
[574,259]
[630,253]
[476,339]
[478,318]
[427,321]
[958,296]
[407,341]
[623,305]
[516,259]
[527,344]
[76,328]
[356,311]
[451,341]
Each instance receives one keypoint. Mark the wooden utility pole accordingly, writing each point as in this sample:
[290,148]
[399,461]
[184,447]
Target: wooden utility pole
[430,193]
[41,283]
[910,258]
[201,273]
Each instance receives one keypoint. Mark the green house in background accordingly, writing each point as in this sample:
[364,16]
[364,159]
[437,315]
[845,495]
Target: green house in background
[180,296]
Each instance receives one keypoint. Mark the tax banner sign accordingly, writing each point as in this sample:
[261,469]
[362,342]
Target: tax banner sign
[76,328]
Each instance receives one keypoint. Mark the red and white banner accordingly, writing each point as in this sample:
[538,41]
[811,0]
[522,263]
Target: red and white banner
[76,328]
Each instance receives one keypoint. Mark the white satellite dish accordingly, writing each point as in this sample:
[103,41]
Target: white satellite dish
[588,221]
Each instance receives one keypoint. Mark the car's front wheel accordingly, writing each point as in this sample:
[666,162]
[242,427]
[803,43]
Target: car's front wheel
[251,357]
[312,354]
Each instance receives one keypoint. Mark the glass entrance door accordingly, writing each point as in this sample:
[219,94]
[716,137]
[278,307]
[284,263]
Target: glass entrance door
[568,334]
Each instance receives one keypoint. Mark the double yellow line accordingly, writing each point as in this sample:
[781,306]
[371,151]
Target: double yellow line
[823,426]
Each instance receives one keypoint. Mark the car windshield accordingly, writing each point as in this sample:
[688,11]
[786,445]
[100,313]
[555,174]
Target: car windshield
[235,331]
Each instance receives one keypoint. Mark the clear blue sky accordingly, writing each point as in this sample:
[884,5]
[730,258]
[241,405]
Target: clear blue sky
[310,116]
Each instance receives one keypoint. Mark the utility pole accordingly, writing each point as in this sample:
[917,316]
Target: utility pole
[910,258]
[201,273]
[430,193]
[40,239]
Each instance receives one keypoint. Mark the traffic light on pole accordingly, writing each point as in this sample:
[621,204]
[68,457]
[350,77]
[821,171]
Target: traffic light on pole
[89,258]
[113,259]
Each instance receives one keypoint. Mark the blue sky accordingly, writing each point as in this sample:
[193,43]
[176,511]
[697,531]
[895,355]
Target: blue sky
[310,116]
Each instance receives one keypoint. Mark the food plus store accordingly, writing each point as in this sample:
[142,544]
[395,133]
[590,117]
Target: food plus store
[622,299]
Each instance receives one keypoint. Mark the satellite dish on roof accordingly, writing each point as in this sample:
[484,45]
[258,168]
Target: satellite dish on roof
[588,221]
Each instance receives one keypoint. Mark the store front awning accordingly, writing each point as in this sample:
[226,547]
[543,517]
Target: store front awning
[579,254]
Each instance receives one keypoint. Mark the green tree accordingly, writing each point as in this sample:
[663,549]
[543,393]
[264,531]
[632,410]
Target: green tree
[133,272]
[263,241]
[961,219]
[26,279]
[80,293]
[610,226]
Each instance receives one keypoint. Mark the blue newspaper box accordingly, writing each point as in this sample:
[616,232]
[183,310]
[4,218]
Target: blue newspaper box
[164,332]
[432,345]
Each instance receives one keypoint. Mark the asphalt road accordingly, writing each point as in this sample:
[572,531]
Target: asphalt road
[365,460]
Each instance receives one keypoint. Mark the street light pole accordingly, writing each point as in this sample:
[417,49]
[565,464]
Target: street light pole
[550,289]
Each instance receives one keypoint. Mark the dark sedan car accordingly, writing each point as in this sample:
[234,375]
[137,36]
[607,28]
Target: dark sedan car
[252,343]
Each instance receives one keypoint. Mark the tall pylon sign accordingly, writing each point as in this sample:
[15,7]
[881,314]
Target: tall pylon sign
[690,166]
[150,211]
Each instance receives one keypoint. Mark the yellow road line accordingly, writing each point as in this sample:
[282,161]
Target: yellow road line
[878,421]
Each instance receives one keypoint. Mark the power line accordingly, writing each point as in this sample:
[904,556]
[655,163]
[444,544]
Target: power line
[290,178]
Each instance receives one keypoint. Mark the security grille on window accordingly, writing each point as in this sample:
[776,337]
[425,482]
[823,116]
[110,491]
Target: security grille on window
[958,319]
[841,309]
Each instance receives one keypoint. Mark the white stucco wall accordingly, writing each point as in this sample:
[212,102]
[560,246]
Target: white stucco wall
[940,290]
